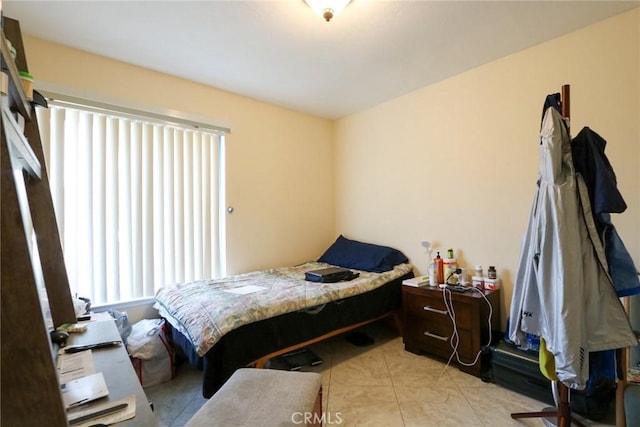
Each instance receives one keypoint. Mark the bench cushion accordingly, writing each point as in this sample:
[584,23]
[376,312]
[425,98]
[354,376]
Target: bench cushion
[260,397]
[632,404]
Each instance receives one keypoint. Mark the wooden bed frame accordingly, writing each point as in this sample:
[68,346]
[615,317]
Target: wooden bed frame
[397,320]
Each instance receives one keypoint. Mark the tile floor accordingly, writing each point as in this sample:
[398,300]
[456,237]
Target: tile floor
[377,385]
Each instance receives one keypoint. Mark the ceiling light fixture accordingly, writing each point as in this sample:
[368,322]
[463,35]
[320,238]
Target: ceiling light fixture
[327,8]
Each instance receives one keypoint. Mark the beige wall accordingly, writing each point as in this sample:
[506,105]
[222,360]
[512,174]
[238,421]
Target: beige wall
[279,162]
[456,162]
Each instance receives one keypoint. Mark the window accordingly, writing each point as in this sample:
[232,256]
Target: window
[137,199]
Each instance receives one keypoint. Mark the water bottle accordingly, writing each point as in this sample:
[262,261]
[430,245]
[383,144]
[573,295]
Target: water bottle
[433,273]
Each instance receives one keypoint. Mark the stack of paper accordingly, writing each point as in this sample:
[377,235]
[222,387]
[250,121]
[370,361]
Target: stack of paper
[82,390]
[417,281]
[75,365]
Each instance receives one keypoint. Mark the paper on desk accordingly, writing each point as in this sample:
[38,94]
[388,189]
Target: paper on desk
[72,366]
[82,390]
[244,290]
[115,417]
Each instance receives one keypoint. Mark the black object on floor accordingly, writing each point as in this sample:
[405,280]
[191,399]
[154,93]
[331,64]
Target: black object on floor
[295,360]
[359,339]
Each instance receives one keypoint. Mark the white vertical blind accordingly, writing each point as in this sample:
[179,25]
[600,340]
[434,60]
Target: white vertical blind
[137,202]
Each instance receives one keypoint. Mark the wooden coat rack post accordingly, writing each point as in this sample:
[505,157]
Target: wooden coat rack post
[563,410]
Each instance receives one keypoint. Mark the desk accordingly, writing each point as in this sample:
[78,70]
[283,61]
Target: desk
[116,367]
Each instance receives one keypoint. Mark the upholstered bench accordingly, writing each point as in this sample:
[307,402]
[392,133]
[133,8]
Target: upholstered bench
[632,404]
[264,397]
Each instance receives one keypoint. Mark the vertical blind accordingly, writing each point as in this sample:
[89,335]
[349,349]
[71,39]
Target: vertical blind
[137,202]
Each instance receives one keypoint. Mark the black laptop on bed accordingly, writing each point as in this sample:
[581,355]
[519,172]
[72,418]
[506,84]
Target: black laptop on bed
[330,275]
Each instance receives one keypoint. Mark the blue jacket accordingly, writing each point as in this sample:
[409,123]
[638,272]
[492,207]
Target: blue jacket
[590,161]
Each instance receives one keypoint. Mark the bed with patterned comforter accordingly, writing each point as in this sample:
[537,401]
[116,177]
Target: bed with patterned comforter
[206,310]
[225,324]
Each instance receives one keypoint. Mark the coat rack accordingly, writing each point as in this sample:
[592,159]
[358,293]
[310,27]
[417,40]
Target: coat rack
[563,410]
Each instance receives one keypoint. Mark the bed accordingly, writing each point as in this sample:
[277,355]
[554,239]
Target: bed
[225,324]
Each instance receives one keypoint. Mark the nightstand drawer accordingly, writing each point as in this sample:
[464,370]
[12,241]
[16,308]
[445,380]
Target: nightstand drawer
[442,326]
[436,340]
[433,309]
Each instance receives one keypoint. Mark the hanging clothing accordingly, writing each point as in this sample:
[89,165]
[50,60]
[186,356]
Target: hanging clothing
[562,289]
[593,165]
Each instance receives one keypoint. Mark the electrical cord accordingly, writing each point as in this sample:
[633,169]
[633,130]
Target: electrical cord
[455,338]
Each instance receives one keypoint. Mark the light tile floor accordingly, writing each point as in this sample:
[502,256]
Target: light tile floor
[378,385]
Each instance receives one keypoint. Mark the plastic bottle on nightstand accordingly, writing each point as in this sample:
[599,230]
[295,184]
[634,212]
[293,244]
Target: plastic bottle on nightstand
[433,273]
[491,272]
[492,282]
[478,271]
[478,278]
[439,269]
[450,266]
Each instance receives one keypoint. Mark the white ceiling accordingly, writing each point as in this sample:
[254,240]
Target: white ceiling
[282,53]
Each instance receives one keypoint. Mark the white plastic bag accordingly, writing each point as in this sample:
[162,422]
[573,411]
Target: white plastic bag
[143,342]
[151,353]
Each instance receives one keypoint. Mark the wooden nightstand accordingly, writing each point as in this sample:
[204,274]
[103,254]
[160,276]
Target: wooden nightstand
[428,329]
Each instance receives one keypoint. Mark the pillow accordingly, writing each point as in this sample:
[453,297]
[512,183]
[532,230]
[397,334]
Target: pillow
[362,256]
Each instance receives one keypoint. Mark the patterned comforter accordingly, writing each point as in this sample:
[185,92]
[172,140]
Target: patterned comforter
[206,310]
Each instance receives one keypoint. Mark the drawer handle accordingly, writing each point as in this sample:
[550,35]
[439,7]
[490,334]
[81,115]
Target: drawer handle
[438,337]
[435,310]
